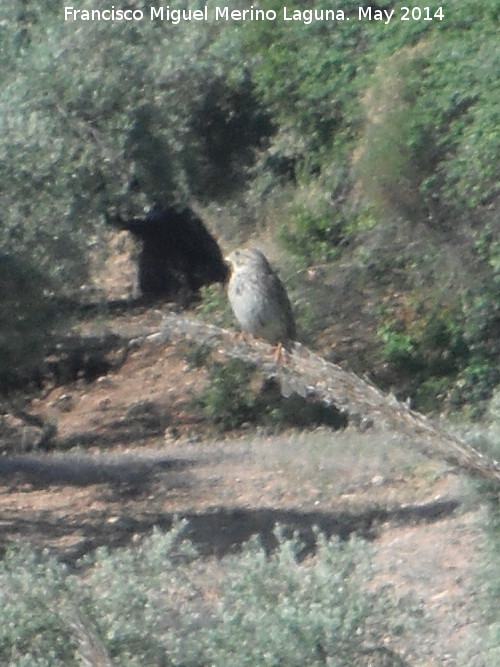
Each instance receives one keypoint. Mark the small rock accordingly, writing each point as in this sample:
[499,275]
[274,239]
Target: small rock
[22,435]
[64,403]
[104,381]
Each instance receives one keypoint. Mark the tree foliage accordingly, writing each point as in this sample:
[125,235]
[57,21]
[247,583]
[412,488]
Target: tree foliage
[97,115]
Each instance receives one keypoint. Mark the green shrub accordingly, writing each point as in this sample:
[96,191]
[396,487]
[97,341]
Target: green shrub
[228,400]
[388,165]
[31,630]
[28,318]
[437,348]
[93,117]
[474,387]
[313,237]
[426,345]
[236,394]
[307,75]
[459,111]
[157,603]
[277,611]
[424,338]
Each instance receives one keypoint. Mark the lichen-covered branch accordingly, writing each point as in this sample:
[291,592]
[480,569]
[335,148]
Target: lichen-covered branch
[308,374]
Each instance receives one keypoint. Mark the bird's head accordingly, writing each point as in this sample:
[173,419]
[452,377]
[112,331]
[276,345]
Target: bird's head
[245,257]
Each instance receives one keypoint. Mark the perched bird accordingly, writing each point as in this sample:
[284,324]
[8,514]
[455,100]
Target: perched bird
[258,297]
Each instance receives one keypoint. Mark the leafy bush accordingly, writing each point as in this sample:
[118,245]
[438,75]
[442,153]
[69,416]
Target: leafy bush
[31,630]
[458,114]
[214,306]
[312,237]
[28,318]
[306,73]
[426,344]
[236,394]
[437,349]
[279,611]
[388,164]
[157,603]
[228,400]
[474,386]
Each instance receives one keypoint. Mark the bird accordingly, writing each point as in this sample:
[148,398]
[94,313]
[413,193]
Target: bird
[259,299]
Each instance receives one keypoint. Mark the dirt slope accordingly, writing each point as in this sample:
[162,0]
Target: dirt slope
[140,455]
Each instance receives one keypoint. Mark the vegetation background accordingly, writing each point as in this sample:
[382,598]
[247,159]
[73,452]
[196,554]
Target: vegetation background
[356,151]
[357,144]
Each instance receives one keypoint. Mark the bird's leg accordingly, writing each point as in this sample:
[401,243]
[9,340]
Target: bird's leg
[278,353]
[281,354]
[244,337]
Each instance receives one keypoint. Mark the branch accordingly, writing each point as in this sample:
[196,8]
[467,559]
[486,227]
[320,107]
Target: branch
[309,375]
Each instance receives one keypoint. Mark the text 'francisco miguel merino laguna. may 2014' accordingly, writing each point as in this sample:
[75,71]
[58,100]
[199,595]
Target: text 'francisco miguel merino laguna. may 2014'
[225,13]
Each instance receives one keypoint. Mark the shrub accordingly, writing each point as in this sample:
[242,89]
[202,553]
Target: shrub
[214,306]
[28,318]
[388,164]
[31,630]
[157,603]
[425,344]
[237,394]
[278,610]
[313,237]
[228,400]
[438,349]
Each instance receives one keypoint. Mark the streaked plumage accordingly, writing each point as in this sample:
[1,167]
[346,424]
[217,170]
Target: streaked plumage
[258,297]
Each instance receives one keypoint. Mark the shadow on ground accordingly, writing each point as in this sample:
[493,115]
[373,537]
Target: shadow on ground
[84,470]
[218,531]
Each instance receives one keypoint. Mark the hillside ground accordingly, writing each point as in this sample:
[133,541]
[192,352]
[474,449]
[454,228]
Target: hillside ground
[138,454]
[141,455]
